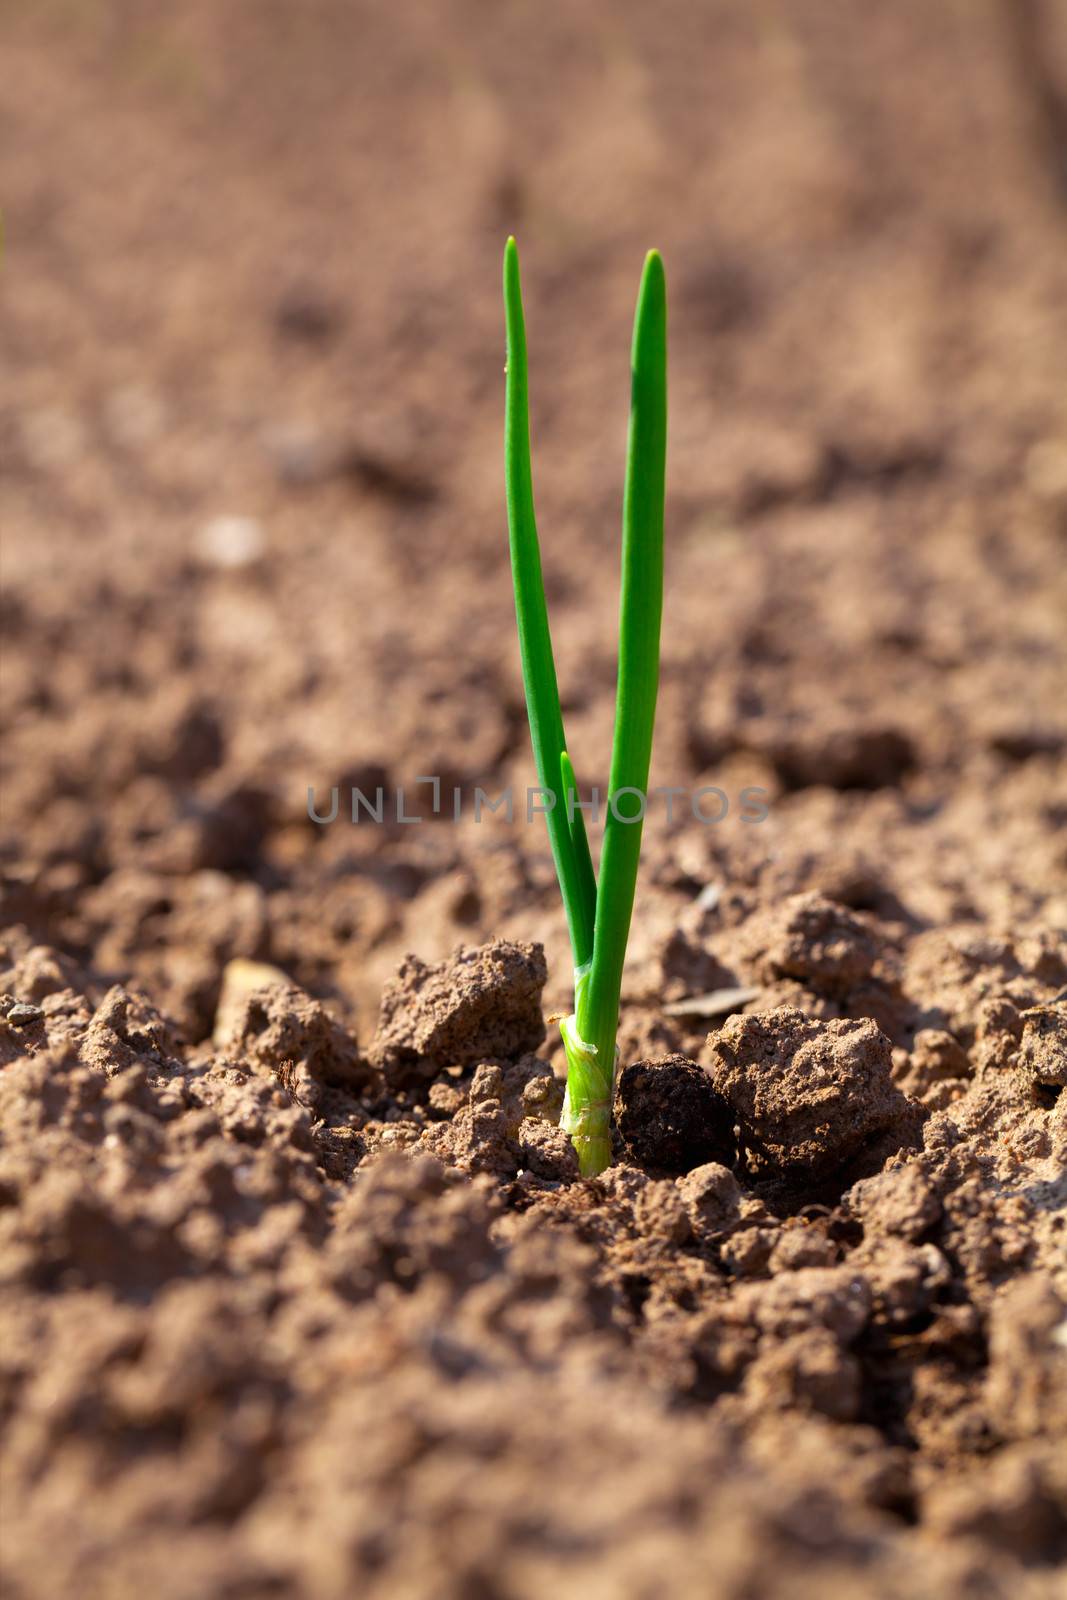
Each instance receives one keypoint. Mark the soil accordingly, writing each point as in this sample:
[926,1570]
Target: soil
[301,1293]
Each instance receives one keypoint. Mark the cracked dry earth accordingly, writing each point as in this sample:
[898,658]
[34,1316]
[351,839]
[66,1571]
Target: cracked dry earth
[300,1293]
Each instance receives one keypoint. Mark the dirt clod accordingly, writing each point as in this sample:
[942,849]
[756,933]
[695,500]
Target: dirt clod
[712,1197]
[900,1201]
[284,1031]
[670,1117]
[483,1002]
[808,1095]
[824,946]
[1043,1047]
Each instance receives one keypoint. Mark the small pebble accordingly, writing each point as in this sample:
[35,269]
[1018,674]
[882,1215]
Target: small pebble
[21,1015]
[709,897]
[230,543]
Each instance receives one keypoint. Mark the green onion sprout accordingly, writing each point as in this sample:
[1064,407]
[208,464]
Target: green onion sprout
[598,912]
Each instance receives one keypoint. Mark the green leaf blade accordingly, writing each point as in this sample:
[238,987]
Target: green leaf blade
[640,613]
[579,839]
[531,612]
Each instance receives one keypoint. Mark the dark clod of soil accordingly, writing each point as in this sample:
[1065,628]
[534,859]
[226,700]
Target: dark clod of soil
[671,1118]
[482,1003]
[842,755]
[807,1095]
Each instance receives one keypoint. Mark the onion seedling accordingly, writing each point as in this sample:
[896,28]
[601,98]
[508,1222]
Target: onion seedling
[598,912]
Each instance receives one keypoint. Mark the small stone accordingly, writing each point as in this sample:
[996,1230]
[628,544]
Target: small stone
[21,1015]
[230,542]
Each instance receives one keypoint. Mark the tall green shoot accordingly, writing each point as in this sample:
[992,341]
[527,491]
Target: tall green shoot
[598,912]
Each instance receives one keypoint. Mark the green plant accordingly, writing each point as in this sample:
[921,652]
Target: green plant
[598,912]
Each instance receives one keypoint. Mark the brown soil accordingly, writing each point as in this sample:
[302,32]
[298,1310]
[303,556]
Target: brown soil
[301,1294]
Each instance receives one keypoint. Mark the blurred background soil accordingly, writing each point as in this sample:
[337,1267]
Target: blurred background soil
[253,542]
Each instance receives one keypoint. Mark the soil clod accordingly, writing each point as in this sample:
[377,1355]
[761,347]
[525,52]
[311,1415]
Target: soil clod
[481,1003]
[670,1117]
[807,1095]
